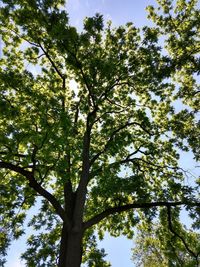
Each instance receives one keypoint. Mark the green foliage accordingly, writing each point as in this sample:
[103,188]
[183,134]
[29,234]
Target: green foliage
[92,255]
[118,132]
[156,246]
[43,249]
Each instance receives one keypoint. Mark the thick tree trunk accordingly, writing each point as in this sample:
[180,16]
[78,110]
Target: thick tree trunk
[70,248]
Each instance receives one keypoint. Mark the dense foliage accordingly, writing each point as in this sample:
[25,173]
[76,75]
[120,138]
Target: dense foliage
[158,245]
[92,126]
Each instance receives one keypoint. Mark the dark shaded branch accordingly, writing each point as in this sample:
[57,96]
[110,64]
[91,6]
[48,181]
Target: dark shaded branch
[80,67]
[68,190]
[197,92]
[115,103]
[53,64]
[127,160]
[87,85]
[14,154]
[82,187]
[112,135]
[76,115]
[33,157]
[36,186]
[21,36]
[118,209]
[10,166]
[113,164]
[178,235]
[108,89]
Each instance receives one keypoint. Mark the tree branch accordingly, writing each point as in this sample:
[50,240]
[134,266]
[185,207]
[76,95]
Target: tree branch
[118,209]
[53,64]
[79,66]
[82,187]
[112,135]
[177,235]
[108,89]
[36,186]
[14,154]
[21,36]
[126,160]
[149,162]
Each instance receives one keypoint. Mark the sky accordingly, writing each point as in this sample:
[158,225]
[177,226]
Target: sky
[119,12]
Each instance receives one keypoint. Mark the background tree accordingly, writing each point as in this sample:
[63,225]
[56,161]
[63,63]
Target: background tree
[169,244]
[103,156]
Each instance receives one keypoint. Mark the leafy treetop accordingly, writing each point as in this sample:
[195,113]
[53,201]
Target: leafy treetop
[93,155]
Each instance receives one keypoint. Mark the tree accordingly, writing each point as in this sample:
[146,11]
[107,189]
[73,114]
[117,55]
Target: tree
[166,245]
[102,156]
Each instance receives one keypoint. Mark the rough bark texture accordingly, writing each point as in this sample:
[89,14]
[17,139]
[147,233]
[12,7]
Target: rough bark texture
[70,248]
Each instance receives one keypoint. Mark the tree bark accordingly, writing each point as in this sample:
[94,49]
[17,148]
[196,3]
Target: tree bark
[70,248]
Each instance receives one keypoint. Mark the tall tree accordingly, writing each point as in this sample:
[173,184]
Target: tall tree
[103,155]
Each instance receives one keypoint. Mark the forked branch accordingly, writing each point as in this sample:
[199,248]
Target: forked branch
[112,136]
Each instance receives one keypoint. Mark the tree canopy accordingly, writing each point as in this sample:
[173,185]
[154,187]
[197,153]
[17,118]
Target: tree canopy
[166,244]
[103,155]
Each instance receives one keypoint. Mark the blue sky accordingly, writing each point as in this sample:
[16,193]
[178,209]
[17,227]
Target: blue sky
[119,12]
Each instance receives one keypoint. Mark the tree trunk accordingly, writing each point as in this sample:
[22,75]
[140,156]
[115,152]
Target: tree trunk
[70,248]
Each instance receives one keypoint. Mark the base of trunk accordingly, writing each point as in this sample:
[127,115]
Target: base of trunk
[70,249]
